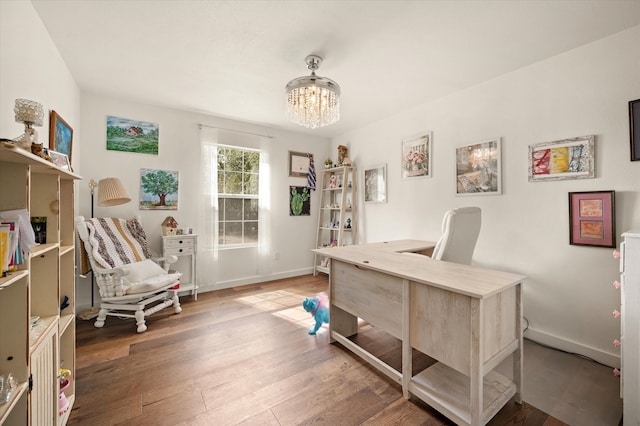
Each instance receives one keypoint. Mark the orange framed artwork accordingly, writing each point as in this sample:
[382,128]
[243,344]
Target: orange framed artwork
[592,219]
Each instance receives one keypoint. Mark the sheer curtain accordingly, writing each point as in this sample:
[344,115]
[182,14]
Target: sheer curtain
[208,250]
[208,215]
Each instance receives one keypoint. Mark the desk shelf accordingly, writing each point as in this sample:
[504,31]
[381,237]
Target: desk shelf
[448,391]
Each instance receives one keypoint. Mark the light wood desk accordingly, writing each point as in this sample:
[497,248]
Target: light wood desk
[469,319]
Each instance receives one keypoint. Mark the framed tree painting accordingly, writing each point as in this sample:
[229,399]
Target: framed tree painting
[158,190]
[478,168]
[592,219]
[60,135]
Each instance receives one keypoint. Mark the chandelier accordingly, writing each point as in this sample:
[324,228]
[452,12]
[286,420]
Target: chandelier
[313,101]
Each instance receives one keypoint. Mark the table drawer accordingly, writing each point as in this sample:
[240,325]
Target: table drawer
[179,251]
[178,242]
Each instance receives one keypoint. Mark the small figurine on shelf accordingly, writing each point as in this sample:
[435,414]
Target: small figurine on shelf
[348,225]
[343,159]
[332,182]
[39,150]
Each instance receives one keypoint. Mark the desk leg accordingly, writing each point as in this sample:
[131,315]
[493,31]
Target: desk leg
[518,354]
[476,376]
[407,361]
[342,322]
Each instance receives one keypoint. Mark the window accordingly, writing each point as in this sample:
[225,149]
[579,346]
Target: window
[238,178]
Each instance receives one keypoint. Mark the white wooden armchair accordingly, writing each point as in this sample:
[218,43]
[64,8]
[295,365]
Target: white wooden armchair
[130,282]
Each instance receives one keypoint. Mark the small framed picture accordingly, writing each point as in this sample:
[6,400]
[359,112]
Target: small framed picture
[299,164]
[375,184]
[565,159]
[416,156]
[59,159]
[634,129]
[592,219]
[478,168]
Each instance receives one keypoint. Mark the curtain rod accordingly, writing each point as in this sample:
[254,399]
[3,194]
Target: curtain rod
[233,130]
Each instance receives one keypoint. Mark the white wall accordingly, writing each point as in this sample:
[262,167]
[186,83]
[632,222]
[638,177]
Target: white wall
[32,68]
[179,150]
[568,296]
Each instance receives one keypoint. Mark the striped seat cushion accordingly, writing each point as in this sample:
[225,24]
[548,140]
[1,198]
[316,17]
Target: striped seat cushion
[116,242]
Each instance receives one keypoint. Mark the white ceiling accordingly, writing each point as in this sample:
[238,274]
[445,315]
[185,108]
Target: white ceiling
[234,58]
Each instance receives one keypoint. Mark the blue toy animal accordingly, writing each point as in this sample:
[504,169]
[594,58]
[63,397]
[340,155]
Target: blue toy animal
[318,307]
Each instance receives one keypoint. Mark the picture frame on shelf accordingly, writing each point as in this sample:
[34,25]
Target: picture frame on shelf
[59,159]
[299,164]
[479,168]
[416,156]
[60,135]
[592,219]
[565,159]
[375,184]
[634,129]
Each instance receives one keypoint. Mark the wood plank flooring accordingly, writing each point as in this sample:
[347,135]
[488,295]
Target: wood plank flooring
[243,357]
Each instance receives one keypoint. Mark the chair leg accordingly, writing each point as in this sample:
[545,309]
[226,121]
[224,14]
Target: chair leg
[176,303]
[102,316]
[140,322]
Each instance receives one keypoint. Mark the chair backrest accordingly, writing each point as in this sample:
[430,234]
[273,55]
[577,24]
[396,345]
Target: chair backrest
[460,229]
[113,242]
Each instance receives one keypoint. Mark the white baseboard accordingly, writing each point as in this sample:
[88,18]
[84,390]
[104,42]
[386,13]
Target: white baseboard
[606,358]
[254,280]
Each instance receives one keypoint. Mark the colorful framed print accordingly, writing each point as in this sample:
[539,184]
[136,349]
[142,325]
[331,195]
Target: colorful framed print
[60,135]
[592,219]
[478,168]
[416,156]
[634,129]
[128,135]
[375,184]
[299,164]
[299,201]
[158,189]
[562,160]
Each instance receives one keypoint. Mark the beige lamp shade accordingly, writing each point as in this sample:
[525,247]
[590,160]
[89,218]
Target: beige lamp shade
[111,192]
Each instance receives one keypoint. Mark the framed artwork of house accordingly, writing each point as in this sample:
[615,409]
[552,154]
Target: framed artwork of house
[124,134]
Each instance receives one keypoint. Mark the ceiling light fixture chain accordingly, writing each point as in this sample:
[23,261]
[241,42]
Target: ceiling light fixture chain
[313,101]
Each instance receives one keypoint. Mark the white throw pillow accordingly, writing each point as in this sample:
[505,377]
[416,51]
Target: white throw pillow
[153,283]
[140,271]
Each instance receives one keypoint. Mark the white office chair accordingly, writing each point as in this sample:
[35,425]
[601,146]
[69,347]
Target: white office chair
[460,229]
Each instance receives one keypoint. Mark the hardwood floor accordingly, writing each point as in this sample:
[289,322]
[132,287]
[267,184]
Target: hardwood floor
[243,356]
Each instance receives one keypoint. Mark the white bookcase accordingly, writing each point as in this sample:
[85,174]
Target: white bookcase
[337,221]
[34,354]
[630,327]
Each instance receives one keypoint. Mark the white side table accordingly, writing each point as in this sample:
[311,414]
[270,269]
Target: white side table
[185,247]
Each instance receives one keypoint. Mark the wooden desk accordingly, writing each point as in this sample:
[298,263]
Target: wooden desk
[469,319]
